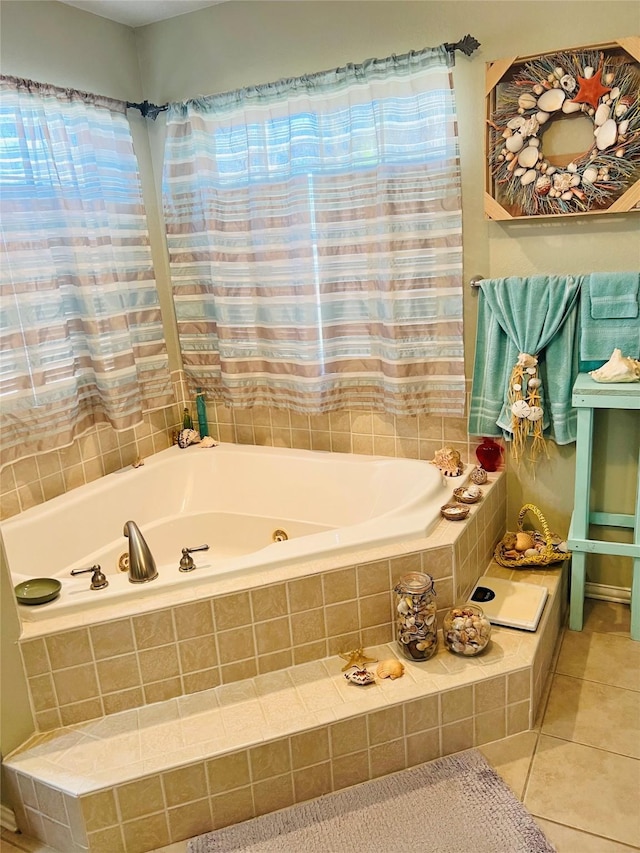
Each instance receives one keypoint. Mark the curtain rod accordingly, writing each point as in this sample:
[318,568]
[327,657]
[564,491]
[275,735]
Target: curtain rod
[467,45]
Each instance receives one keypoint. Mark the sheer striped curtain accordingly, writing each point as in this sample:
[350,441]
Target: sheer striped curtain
[314,232]
[80,330]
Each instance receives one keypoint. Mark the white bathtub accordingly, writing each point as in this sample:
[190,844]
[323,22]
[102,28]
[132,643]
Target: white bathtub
[231,497]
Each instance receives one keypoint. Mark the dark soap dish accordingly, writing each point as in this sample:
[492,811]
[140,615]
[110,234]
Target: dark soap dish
[37,590]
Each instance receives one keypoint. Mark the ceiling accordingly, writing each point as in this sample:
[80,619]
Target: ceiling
[137,13]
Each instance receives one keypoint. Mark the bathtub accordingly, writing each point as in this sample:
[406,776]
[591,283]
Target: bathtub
[234,498]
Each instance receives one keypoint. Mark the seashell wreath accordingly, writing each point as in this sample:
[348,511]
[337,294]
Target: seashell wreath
[588,82]
[526,412]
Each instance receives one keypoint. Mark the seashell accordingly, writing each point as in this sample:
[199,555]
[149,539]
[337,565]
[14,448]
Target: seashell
[620,152]
[518,173]
[528,157]
[479,476]
[588,72]
[623,127]
[613,94]
[526,360]
[608,78]
[543,185]
[531,370]
[534,383]
[575,181]
[521,409]
[570,107]
[606,135]
[526,101]
[515,122]
[535,142]
[620,109]
[602,114]
[566,196]
[559,72]
[514,143]
[562,181]
[542,117]
[391,668]
[529,177]
[530,127]
[517,386]
[360,676]
[207,441]
[531,552]
[551,100]
[617,369]
[535,413]
[523,541]
[448,461]
[568,83]
[589,175]
[187,437]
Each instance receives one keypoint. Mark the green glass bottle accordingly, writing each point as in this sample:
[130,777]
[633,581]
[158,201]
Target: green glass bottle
[187,422]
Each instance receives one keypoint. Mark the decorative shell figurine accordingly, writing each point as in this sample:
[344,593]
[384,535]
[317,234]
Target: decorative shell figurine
[360,676]
[617,369]
[478,476]
[207,441]
[187,437]
[391,668]
[448,461]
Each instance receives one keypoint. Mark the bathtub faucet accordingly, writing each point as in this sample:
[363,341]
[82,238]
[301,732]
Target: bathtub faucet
[142,566]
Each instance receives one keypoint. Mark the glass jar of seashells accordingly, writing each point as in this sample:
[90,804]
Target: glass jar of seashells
[466,630]
[416,626]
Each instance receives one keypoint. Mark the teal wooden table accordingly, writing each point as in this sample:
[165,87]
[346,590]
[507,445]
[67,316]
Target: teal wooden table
[587,397]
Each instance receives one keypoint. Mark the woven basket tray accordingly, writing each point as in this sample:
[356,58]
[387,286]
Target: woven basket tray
[545,557]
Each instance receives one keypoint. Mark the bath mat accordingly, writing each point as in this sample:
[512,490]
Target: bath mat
[455,804]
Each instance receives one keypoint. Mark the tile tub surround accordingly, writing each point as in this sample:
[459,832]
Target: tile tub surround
[239,627]
[141,779]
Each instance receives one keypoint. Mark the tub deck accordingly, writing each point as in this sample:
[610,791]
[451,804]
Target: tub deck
[253,746]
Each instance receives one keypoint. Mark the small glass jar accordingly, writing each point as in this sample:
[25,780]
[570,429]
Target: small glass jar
[466,630]
[416,625]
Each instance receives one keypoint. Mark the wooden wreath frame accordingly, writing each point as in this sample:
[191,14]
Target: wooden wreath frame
[502,71]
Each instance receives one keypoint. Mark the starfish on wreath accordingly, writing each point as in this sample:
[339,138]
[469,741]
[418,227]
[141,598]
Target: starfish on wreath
[591,89]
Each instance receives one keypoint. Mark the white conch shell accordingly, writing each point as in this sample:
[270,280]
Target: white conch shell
[207,441]
[619,368]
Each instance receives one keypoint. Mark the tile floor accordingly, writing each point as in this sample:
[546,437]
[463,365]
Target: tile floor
[578,770]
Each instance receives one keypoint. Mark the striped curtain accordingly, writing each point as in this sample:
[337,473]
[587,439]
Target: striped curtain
[314,232]
[81,336]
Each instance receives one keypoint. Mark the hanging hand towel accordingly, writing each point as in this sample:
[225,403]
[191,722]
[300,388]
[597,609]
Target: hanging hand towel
[610,315]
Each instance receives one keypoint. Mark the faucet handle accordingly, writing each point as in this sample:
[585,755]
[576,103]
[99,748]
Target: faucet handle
[98,579]
[186,561]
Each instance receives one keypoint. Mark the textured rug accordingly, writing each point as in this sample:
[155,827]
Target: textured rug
[456,804]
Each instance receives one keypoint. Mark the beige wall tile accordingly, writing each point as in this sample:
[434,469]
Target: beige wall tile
[385,725]
[456,704]
[341,619]
[348,736]
[307,626]
[139,798]
[91,709]
[42,693]
[158,664]
[269,602]
[273,635]
[193,620]
[237,644]
[239,671]
[118,673]
[344,642]
[69,649]
[34,656]
[457,736]
[160,691]
[194,682]
[423,746]
[269,759]
[491,694]
[309,652]
[379,635]
[275,661]
[232,808]
[232,611]
[490,726]
[106,840]
[438,562]
[185,784]
[273,794]
[189,820]
[375,609]
[111,639]
[403,564]
[305,594]
[373,578]
[350,770]
[148,833]
[309,748]
[50,802]
[153,629]
[387,758]
[340,585]
[99,810]
[228,772]
[76,684]
[124,700]
[57,835]
[311,782]
[45,721]
[198,653]
[421,714]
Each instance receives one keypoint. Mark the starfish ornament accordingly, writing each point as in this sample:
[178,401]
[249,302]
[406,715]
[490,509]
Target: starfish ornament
[356,658]
[591,90]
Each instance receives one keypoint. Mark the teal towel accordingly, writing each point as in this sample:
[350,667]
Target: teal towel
[537,315]
[609,315]
[613,295]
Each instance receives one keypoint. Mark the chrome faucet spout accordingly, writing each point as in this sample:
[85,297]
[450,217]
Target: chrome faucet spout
[142,566]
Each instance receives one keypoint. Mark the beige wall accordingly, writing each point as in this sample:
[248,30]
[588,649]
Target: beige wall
[241,43]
